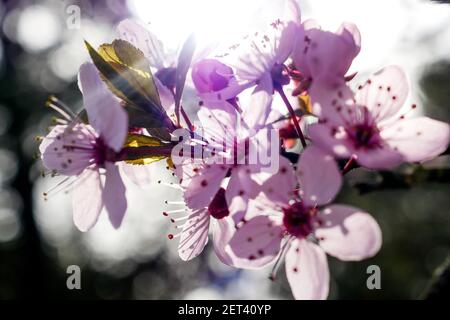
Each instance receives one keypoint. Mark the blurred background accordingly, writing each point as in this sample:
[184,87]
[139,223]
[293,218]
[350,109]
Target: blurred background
[41,49]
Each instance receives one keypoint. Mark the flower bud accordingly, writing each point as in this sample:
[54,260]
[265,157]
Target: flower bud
[211,75]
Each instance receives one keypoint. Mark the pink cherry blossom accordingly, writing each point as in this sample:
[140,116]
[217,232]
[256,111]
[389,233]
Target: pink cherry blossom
[304,226]
[260,203]
[370,125]
[87,152]
[256,61]
[202,177]
[219,189]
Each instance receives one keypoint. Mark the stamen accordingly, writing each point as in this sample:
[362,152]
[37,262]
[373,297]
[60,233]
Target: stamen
[62,186]
[172,236]
[56,120]
[171,185]
[400,117]
[281,255]
[174,220]
[55,104]
[167,213]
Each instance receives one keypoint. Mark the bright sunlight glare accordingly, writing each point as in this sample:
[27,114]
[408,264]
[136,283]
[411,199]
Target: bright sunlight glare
[210,20]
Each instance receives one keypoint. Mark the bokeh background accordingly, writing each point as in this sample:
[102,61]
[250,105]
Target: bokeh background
[40,55]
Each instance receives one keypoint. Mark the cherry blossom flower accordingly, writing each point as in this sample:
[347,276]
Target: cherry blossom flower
[303,226]
[217,187]
[234,179]
[370,126]
[257,61]
[88,152]
[228,143]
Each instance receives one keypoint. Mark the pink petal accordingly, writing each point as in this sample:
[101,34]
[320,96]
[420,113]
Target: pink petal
[332,101]
[279,188]
[241,184]
[87,199]
[253,62]
[326,138]
[166,96]
[348,233]
[256,112]
[194,236]
[67,161]
[384,93]
[258,241]
[418,139]
[114,195]
[242,209]
[219,124]
[223,230]
[203,185]
[231,91]
[144,40]
[238,208]
[349,32]
[329,55]
[292,11]
[263,150]
[287,39]
[299,54]
[140,175]
[319,177]
[262,50]
[379,158]
[307,271]
[104,111]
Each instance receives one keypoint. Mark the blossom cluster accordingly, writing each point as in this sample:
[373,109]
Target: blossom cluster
[261,154]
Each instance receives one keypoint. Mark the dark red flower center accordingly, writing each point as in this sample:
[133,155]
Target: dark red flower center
[298,220]
[280,76]
[102,152]
[364,136]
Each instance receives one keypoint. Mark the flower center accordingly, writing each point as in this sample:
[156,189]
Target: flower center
[218,207]
[298,220]
[364,136]
[102,152]
[167,76]
[280,76]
